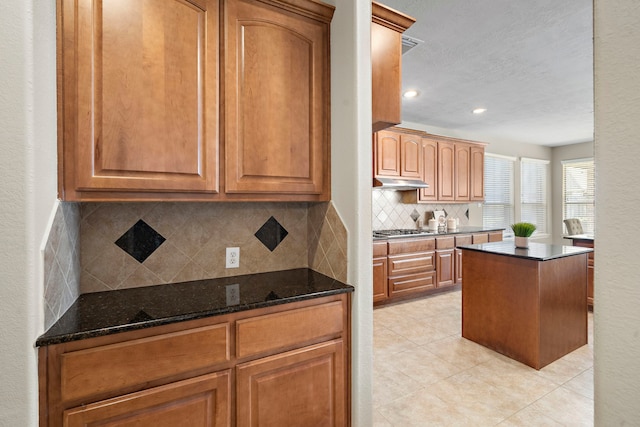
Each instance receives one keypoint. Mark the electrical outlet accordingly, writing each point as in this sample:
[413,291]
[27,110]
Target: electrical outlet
[233,258]
[233,294]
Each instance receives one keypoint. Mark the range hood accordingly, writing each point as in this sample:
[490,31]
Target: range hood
[399,184]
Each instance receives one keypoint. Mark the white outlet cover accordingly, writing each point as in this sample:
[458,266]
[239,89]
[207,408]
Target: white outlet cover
[233,258]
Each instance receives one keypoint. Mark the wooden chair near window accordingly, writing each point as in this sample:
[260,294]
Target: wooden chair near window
[574,226]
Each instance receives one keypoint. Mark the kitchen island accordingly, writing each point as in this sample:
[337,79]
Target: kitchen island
[528,304]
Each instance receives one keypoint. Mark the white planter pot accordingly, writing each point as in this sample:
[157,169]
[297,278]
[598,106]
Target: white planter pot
[522,242]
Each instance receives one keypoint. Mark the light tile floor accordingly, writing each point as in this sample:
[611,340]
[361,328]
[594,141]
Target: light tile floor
[426,374]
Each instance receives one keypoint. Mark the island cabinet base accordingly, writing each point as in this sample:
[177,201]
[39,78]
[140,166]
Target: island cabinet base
[529,310]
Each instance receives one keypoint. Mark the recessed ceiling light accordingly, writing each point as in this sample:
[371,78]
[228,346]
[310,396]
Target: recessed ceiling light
[479,110]
[411,93]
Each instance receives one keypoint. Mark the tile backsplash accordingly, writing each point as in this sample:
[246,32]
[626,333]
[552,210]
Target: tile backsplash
[389,211]
[62,262]
[126,245]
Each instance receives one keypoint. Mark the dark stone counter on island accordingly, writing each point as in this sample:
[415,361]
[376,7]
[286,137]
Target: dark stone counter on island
[535,251]
[104,313]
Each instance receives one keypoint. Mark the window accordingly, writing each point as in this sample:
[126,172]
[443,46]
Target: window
[533,194]
[498,208]
[578,192]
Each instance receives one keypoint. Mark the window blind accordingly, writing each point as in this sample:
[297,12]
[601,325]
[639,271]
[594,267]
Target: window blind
[578,192]
[534,174]
[498,210]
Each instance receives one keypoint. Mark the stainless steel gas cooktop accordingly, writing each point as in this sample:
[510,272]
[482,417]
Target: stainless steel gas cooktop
[400,232]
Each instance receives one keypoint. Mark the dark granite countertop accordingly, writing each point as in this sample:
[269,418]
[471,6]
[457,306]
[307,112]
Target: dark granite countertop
[105,313]
[536,251]
[580,237]
[466,229]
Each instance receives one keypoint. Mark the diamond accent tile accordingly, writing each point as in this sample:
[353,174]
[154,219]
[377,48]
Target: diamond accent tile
[271,234]
[415,215]
[140,241]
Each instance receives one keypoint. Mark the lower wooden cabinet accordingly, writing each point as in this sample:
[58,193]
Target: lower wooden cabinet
[445,261]
[304,387]
[380,288]
[278,366]
[197,402]
[416,266]
[588,243]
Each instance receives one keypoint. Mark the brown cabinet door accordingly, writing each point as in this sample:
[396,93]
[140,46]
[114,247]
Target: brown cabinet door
[476,174]
[444,268]
[446,171]
[458,266]
[462,179]
[304,387]
[387,27]
[410,159]
[380,288]
[138,105]
[199,402]
[387,153]
[276,99]
[386,76]
[429,170]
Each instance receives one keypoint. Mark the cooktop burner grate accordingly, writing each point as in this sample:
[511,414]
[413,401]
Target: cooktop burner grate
[398,232]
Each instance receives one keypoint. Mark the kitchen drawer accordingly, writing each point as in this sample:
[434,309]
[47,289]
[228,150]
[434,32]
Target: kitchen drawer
[412,263]
[288,329]
[379,249]
[404,246]
[463,240]
[445,242]
[412,283]
[495,236]
[480,238]
[108,369]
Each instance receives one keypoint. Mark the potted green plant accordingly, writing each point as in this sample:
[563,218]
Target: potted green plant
[522,231]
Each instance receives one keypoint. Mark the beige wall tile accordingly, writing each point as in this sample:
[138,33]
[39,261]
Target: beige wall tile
[196,237]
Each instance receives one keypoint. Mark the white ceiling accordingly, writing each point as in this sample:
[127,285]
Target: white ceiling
[528,62]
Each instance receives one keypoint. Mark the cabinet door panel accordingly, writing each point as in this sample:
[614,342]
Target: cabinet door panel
[429,170]
[387,154]
[386,76]
[446,171]
[304,387]
[462,164]
[276,106]
[380,288]
[445,268]
[140,95]
[201,401]
[410,161]
[477,174]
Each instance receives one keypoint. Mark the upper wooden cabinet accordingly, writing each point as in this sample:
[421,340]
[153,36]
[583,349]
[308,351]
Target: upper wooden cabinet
[397,154]
[462,166]
[446,171]
[139,103]
[276,98]
[386,61]
[429,170]
[453,168]
[476,174]
[138,96]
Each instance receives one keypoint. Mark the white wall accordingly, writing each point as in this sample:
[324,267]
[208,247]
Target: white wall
[566,152]
[617,276]
[28,164]
[351,180]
